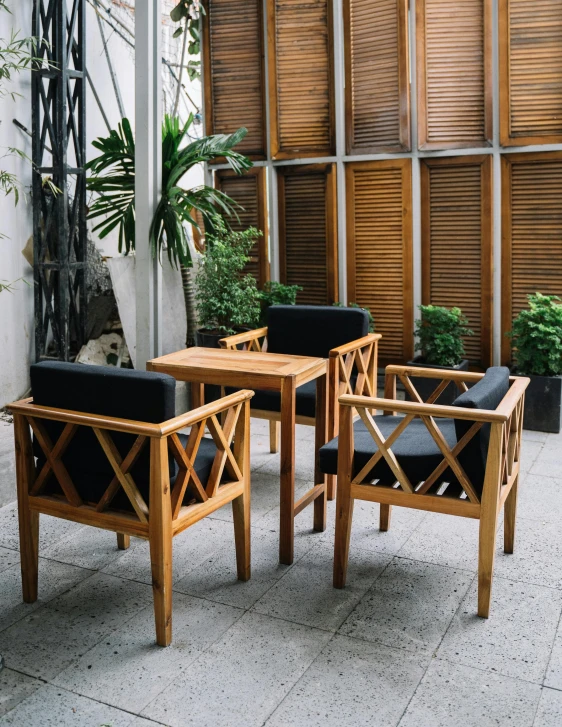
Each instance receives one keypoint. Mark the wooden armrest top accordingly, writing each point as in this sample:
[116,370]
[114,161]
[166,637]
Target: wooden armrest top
[428,373]
[243,337]
[353,345]
[149,429]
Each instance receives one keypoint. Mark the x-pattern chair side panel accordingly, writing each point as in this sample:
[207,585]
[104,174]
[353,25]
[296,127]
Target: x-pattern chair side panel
[224,457]
[378,454]
[57,452]
[56,464]
[186,459]
[126,466]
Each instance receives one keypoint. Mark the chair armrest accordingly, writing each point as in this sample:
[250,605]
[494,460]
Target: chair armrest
[355,345]
[204,412]
[514,395]
[251,337]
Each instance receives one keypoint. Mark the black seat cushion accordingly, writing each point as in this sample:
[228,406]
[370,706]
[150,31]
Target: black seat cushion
[313,330]
[415,449]
[124,393]
[486,394]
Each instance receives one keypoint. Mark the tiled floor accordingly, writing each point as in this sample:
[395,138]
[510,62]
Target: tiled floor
[400,645]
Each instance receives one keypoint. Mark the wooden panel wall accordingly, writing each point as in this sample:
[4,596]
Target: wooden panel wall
[300,48]
[250,192]
[531,232]
[454,70]
[233,70]
[377,76]
[457,249]
[308,253]
[530,72]
[379,250]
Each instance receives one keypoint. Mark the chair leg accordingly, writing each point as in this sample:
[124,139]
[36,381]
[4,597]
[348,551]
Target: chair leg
[510,512]
[331,486]
[344,516]
[385,515]
[273,436]
[28,519]
[123,541]
[486,555]
[242,537]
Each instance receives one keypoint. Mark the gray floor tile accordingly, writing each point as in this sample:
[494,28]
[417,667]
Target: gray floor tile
[473,699]
[51,529]
[8,558]
[517,638]
[89,548]
[14,688]
[54,579]
[265,496]
[531,436]
[351,684]
[554,671]
[549,713]
[548,461]
[52,637]
[243,677]
[53,707]
[304,461]
[306,595]
[130,670]
[540,498]
[410,606]
[365,533]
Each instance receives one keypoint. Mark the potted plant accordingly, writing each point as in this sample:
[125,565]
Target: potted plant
[537,341]
[439,332]
[274,293]
[227,300]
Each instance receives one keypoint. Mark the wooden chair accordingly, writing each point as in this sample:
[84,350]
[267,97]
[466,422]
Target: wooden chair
[339,334]
[459,460]
[106,451]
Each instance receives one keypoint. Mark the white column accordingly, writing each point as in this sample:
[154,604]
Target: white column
[148,176]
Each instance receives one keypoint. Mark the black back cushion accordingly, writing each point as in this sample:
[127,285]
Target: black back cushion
[123,393]
[486,394]
[313,330]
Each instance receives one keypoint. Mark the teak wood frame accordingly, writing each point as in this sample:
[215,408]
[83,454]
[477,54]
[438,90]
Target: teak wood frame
[360,356]
[227,420]
[501,477]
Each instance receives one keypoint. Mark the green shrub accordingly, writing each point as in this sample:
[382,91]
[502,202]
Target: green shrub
[537,336]
[440,332]
[274,293]
[226,298]
[362,307]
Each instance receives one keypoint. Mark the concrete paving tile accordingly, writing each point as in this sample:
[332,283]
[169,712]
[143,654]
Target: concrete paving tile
[517,638]
[89,548]
[54,579]
[130,670]
[304,461]
[14,688]
[548,461]
[554,672]
[265,496]
[143,722]
[351,684]
[530,436]
[451,695]
[53,707]
[216,580]
[53,636]
[540,498]
[51,529]
[409,606]
[243,677]
[549,713]
[189,549]
[8,558]
[365,533]
[306,595]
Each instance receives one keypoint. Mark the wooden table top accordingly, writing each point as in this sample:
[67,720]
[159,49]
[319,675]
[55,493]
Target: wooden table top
[250,369]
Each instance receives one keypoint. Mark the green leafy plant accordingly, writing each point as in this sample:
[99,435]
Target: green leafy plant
[274,293]
[113,180]
[226,298]
[338,304]
[440,331]
[537,336]
[187,14]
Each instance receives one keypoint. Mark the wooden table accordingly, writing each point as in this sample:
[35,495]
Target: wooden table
[271,372]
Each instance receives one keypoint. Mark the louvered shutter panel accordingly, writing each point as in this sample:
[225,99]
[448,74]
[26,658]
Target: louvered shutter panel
[457,244]
[308,231]
[377,76]
[531,71]
[379,249]
[300,75]
[454,73]
[531,232]
[233,72]
[249,191]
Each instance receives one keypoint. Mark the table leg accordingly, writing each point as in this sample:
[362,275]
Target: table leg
[287,515]
[197,395]
[321,432]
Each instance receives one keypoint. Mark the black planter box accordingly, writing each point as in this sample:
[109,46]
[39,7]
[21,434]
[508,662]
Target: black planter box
[542,404]
[208,339]
[426,387]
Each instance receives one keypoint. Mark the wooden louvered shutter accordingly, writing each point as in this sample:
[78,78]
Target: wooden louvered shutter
[457,228]
[454,57]
[377,76]
[308,231]
[530,72]
[249,191]
[233,71]
[531,232]
[301,78]
[379,250]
